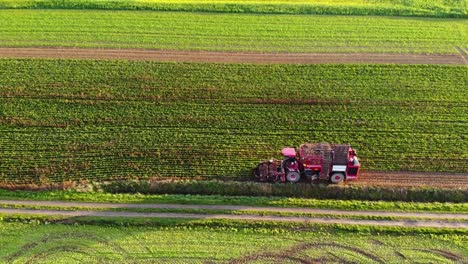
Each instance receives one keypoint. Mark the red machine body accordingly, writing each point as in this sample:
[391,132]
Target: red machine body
[315,161]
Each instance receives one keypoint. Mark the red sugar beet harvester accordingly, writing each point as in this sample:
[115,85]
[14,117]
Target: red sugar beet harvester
[315,161]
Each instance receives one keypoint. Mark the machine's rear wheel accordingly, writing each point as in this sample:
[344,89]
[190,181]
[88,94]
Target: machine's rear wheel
[257,173]
[337,178]
[293,176]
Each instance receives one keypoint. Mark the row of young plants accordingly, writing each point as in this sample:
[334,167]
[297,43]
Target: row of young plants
[55,129]
[433,8]
[69,119]
[382,85]
[148,145]
[229,32]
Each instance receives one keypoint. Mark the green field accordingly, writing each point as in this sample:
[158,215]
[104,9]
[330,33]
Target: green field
[66,119]
[55,243]
[91,121]
[230,32]
[432,8]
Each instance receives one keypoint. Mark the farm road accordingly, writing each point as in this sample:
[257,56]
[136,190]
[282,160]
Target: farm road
[434,219]
[322,220]
[232,57]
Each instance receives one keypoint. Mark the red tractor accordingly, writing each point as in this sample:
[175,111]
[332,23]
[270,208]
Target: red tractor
[316,161]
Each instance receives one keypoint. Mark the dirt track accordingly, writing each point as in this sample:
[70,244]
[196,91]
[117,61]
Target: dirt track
[412,179]
[407,223]
[233,57]
[237,208]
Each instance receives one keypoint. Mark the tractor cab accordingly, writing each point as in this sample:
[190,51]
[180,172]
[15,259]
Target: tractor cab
[315,161]
[353,165]
[290,165]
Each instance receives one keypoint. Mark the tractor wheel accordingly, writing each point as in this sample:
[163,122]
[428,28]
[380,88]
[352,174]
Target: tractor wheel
[293,176]
[337,178]
[257,174]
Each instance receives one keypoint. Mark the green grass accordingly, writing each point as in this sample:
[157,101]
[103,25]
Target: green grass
[98,197]
[266,227]
[432,8]
[259,212]
[230,32]
[182,243]
[70,120]
[302,190]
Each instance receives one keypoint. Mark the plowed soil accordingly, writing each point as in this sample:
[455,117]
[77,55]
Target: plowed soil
[231,57]
[412,179]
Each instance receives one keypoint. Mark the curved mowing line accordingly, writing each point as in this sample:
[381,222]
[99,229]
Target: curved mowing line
[31,246]
[294,254]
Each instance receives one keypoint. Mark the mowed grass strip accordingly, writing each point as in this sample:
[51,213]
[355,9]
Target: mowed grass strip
[270,201]
[71,119]
[432,8]
[183,241]
[229,32]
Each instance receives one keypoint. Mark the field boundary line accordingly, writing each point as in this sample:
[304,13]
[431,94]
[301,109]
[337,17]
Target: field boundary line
[65,204]
[229,57]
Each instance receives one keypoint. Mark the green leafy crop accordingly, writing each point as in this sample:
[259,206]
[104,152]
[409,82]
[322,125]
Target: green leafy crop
[428,8]
[230,32]
[66,119]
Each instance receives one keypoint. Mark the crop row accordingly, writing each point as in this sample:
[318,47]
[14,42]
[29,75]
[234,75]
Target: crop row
[63,120]
[55,155]
[229,32]
[433,8]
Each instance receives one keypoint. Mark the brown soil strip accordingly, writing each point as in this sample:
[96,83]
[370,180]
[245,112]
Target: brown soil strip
[446,254]
[399,254]
[321,220]
[238,208]
[412,179]
[230,57]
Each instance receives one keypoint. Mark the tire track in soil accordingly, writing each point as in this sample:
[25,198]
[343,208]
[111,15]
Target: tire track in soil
[54,250]
[444,253]
[294,252]
[48,238]
[230,57]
